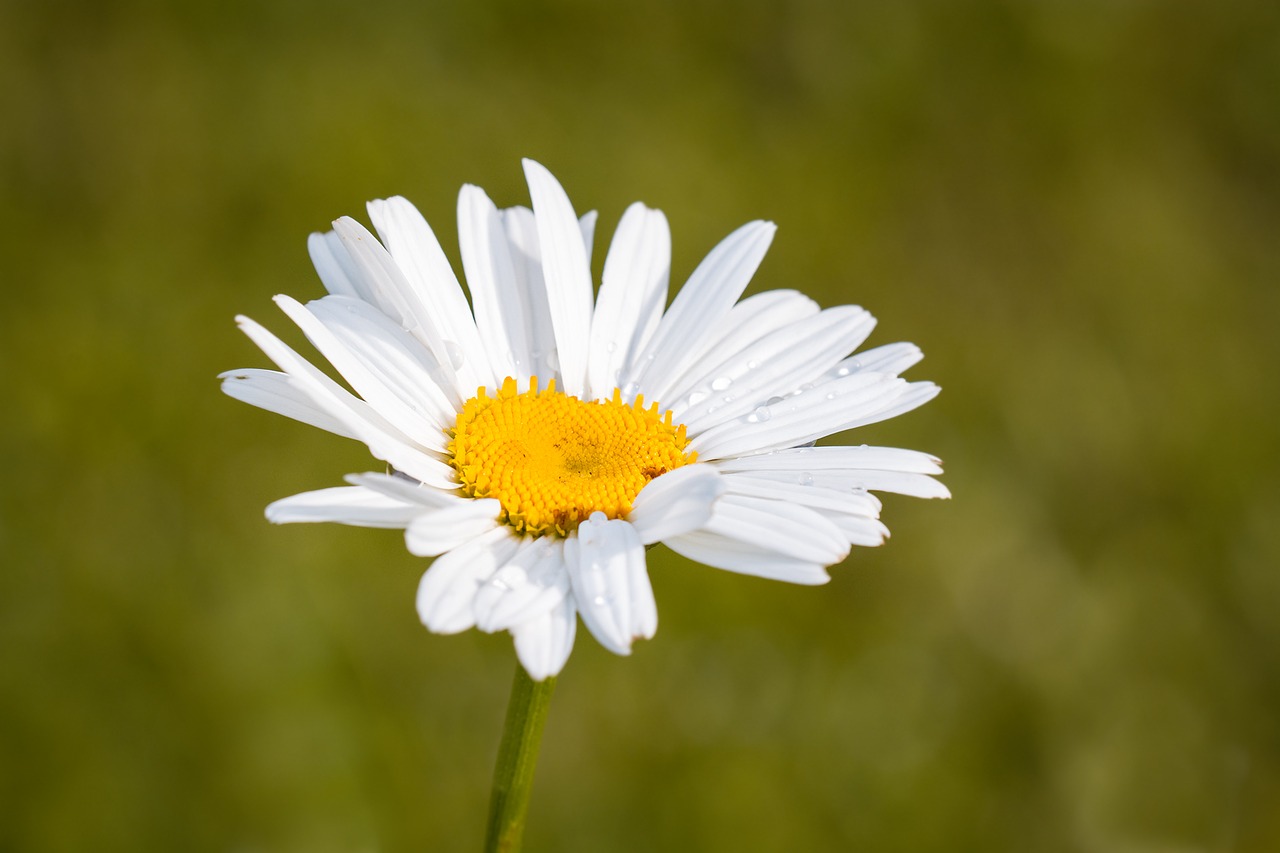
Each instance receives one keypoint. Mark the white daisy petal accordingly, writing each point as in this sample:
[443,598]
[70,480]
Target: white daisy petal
[789,529]
[432,297]
[532,583]
[845,403]
[405,489]
[499,307]
[587,225]
[359,418]
[892,359]
[352,505]
[887,469]
[852,511]
[543,643]
[819,458]
[611,582]
[705,299]
[859,530]
[722,552]
[394,360]
[567,275]
[400,300]
[749,321]
[377,387]
[337,271]
[675,503]
[805,493]
[526,260]
[448,589]
[776,365]
[280,393]
[633,292]
[434,532]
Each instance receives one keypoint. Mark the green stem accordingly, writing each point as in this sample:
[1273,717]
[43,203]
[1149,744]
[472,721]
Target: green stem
[517,756]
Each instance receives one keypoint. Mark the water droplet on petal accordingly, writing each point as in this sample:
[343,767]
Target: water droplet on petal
[753,364]
[599,601]
[454,353]
[843,371]
[553,360]
[759,415]
[806,479]
[720,383]
[696,397]
[612,346]
[773,401]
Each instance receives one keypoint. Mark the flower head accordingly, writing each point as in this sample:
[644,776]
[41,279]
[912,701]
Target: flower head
[541,436]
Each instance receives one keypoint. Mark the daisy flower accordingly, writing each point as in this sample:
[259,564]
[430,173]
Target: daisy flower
[539,438]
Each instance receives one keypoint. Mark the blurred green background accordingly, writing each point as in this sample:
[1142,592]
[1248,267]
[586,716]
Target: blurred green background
[1074,208]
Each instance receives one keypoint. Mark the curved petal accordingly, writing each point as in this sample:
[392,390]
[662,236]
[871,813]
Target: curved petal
[611,583]
[382,439]
[567,275]
[747,322]
[707,297]
[280,393]
[543,643]
[526,260]
[337,271]
[436,531]
[845,403]
[779,364]
[677,502]
[352,505]
[408,490]
[779,527]
[887,469]
[432,296]
[400,300]
[532,583]
[731,555]
[633,292]
[447,591]
[500,305]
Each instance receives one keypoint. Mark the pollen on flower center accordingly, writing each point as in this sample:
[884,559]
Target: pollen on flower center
[552,460]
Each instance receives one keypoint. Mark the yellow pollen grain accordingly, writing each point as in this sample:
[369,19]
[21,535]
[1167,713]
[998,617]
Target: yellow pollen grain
[552,460]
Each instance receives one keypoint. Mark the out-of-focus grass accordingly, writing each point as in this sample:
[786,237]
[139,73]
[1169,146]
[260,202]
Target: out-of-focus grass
[1073,208]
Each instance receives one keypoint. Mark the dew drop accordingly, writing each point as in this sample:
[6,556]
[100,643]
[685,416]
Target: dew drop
[753,364]
[773,401]
[855,365]
[454,353]
[759,415]
[843,371]
[806,479]
[630,391]
[612,346]
[696,397]
[831,395]
[720,383]
[599,601]
[552,360]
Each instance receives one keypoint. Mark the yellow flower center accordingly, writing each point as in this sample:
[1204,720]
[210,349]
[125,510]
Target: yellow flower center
[552,460]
